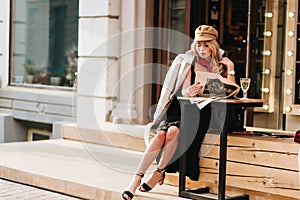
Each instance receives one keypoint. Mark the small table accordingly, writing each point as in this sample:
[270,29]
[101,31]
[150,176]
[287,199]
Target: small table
[227,105]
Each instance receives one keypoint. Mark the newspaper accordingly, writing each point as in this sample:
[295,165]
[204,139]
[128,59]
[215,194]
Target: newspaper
[201,102]
[216,85]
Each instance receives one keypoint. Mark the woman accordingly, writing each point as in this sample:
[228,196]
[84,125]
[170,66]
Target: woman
[203,56]
[208,59]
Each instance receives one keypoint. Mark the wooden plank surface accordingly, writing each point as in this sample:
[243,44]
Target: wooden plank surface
[266,165]
[264,151]
[253,177]
[172,179]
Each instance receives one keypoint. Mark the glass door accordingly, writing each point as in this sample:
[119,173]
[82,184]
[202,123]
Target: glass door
[172,19]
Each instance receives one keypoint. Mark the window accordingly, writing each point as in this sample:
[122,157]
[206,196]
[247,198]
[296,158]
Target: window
[176,22]
[44,42]
[34,134]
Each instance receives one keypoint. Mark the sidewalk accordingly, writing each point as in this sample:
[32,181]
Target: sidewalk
[77,169]
[11,190]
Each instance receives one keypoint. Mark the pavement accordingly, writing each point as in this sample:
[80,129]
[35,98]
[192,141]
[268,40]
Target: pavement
[10,190]
[76,169]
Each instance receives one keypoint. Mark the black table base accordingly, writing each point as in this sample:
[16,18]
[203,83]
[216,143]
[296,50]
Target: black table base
[203,193]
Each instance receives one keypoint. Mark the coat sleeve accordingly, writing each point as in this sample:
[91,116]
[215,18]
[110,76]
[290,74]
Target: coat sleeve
[173,81]
[168,87]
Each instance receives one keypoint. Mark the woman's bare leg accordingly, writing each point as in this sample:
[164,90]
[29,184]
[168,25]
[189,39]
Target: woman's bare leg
[170,147]
[149,155]
[152,151]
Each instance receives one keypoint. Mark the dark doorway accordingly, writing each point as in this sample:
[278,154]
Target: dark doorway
[229,17]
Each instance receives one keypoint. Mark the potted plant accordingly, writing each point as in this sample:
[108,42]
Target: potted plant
[55,76]
[30,72]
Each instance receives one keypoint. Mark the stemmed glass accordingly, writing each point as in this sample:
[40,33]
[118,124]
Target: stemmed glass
[245,83]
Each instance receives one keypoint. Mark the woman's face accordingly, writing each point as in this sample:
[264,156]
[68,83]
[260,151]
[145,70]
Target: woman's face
[203,50]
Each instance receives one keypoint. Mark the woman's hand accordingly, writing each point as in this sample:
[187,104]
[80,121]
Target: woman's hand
[228,63]
[230,68]
[193,90]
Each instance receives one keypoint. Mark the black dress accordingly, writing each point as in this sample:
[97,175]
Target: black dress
[172,117]
[194,139]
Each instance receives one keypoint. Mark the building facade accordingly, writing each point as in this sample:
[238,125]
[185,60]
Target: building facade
[111,56]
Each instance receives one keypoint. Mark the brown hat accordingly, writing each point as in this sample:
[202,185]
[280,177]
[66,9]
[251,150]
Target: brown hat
[205,33]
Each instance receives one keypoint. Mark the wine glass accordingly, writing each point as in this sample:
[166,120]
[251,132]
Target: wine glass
[245,83]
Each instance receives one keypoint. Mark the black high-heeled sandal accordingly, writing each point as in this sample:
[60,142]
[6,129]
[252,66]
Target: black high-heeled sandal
[146,188]
[128,193]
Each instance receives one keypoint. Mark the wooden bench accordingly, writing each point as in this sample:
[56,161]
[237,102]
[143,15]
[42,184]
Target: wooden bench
[224,108]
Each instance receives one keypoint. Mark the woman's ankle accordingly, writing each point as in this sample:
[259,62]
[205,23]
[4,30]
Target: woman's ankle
[161,169]
[141,175]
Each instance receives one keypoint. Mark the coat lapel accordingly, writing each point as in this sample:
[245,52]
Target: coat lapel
[173,81]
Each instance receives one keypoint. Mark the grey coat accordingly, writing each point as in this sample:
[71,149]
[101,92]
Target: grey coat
[172,83]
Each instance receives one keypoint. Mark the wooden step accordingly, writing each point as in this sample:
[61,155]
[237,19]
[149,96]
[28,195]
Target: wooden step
[114,135]
[264,167]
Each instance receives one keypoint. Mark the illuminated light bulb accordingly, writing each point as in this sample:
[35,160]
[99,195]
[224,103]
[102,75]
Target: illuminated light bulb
[268,33]
[267,71]
[265,90]
[267,53]
[292,14]
[291,33]
[288,91]
[289,72]
[290,53]
[288,108]
[269,14]
[266,107]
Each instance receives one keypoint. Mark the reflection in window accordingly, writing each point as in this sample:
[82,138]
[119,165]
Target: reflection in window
[44,40]
[177,12]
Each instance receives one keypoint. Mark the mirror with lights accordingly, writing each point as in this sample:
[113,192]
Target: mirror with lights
[297,74]
[266,35]
[292,63]
[268,58]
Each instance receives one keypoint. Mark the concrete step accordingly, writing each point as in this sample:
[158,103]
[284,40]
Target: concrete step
[79,169]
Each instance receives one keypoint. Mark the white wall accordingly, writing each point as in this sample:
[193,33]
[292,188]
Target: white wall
[103,63]
[98,69]
[112,71]
[4,39]
[28,104]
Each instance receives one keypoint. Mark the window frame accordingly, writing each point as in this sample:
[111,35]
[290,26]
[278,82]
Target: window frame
[11,58]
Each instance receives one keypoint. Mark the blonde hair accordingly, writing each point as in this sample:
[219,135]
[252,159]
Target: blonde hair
[215,54]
